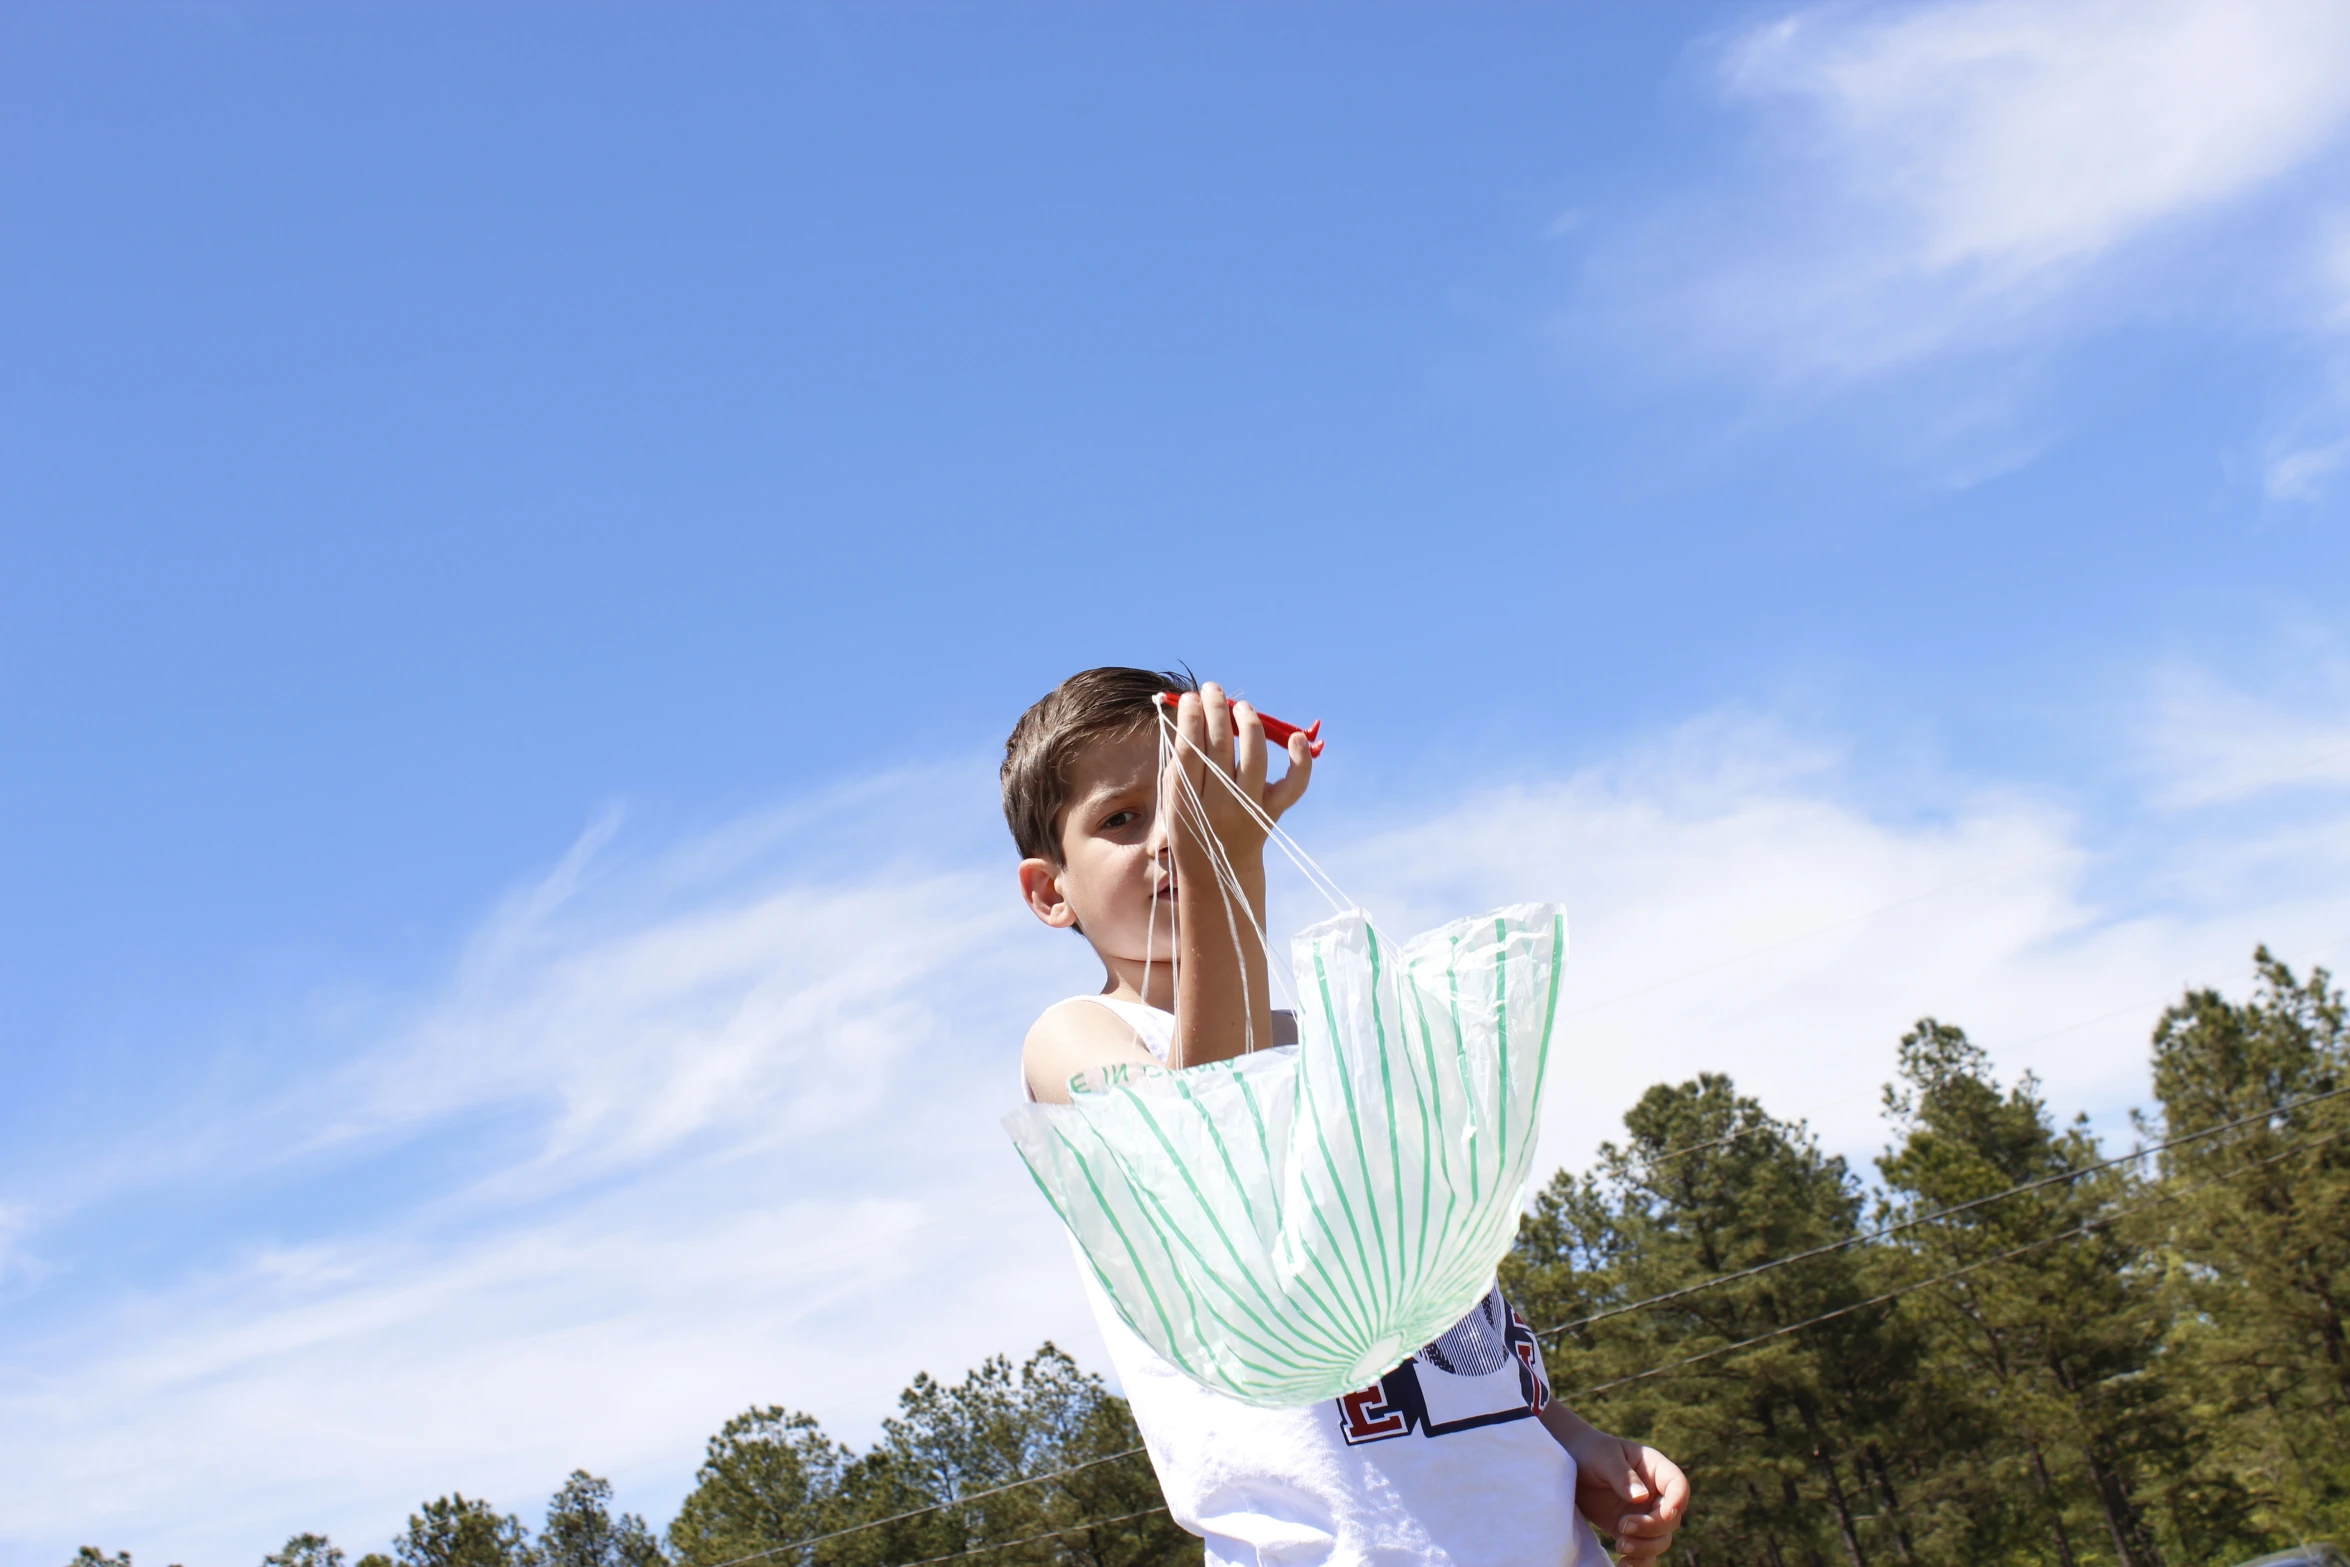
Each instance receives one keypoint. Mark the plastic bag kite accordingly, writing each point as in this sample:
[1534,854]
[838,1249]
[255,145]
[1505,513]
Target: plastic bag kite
[1287,1226]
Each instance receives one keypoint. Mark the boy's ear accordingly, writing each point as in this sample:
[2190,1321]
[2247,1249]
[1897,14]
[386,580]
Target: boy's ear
[1040,886]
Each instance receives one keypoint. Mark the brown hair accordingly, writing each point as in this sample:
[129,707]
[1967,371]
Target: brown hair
[1097,704]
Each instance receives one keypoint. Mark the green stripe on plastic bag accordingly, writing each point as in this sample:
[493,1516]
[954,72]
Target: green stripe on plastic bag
[1286,1227]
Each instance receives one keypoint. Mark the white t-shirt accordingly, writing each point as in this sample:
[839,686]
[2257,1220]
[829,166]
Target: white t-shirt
[1442,1461]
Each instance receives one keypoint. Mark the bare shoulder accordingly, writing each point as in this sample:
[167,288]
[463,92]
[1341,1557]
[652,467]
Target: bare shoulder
[1071,1037]
[1078,1018]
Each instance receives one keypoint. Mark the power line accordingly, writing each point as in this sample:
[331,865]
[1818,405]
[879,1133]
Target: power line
[1880,1233]
[1802,1118]
[1715,1353]
[1941,1278]
[1719,1280]
[1005,1545]
[961,1213]
[1698,1288]
[1673,1295]
[935,1507]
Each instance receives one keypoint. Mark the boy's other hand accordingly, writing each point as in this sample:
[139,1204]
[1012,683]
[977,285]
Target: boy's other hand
[1630,1492]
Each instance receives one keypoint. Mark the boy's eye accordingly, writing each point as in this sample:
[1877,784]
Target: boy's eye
[1119,819]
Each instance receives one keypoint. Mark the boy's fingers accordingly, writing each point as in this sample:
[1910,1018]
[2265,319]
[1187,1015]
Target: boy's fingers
[1640,1538]
[1671,1482]
[1185,765]
[1219,722]
[1191,726]
[1623,1474]
[1281,796]
[1249,732]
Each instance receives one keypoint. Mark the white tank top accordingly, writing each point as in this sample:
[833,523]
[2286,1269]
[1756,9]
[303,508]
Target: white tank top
[1442,1461]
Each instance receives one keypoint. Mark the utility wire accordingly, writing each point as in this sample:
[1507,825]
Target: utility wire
[1005,1545]
[1283,841]
[1701,1285]
[1940,1278]
[935,1507]
[1715,1353]
[1712,1283]
[1895,1228]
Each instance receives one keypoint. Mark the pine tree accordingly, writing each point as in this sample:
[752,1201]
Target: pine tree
[768,1478]
[2256,1238]
[1782,1440]
[580,1530]
[305,1550]
[2058,1339]
[456,1532]
[998,1426]
[773,1478]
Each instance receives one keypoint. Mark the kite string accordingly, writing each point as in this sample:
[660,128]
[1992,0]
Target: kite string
[1228,888]
[1228,883]
[1322,881]
[1151,932]
[1170,736]
[1318,878]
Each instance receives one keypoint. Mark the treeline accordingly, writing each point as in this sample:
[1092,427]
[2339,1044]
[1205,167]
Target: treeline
[2140,1363]
[2014,1348]
[772,1478]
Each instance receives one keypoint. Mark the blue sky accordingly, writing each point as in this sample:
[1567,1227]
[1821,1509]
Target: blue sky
[520,528]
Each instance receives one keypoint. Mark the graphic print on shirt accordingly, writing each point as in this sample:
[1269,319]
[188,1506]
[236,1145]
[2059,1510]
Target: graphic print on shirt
[1484,1370]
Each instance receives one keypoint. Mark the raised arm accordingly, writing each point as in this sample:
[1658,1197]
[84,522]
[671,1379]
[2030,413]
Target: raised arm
[1224,1003]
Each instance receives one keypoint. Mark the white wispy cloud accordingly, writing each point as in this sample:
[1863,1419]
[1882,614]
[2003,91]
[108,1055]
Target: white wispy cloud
[2297,469]
[776,1017]
[696,1100]
[1747,918]
[2305,452]
[1980,180]
[724,1121]
[13,1218]
[2013,138]
[2210,741]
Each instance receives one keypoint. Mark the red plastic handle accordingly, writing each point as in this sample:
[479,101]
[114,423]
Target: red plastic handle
[1276,730]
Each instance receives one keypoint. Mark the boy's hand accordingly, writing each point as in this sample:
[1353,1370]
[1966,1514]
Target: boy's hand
[1227,738]
[1630,1492]
[1212,793]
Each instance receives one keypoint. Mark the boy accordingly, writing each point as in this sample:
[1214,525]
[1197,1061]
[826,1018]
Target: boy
[1456,1456]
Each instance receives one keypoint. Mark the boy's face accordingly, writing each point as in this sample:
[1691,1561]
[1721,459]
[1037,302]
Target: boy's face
[1116,878]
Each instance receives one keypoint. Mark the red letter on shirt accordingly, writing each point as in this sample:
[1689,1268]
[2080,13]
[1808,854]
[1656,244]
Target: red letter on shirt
[1366,1416]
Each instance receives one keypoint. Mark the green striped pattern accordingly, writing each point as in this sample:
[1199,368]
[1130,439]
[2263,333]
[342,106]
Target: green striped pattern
[1288,1226]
